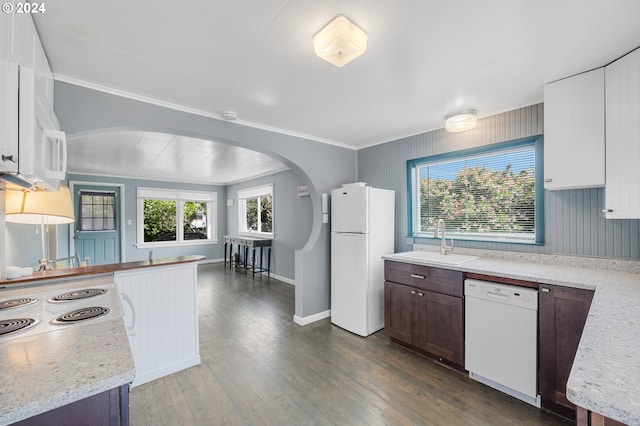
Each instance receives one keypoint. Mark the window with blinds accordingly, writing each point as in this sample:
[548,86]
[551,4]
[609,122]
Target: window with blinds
[97,211]
[488,194]
[255,210]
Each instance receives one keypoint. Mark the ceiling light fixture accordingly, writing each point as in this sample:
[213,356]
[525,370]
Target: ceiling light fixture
[460,121]
[340,41]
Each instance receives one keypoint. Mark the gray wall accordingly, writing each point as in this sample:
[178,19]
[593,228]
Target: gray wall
[292,219]
[210,251]
[320,166]
[574,224]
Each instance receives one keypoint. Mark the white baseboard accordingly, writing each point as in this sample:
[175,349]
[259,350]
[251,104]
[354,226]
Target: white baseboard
[280,278]
[311,318]
[203,261]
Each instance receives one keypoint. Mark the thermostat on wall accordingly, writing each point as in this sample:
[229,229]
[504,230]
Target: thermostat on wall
[229,202]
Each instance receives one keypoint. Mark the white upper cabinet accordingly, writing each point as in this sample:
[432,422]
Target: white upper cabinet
[622,193]
[574,132]
[25,39]
[8,96]
[43,80]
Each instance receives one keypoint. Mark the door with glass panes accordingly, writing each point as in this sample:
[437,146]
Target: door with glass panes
[97,225]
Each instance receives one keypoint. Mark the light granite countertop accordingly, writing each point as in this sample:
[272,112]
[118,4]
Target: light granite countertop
[605,377]
[41,372]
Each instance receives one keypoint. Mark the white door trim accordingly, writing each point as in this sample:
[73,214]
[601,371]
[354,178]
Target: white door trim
[121,186]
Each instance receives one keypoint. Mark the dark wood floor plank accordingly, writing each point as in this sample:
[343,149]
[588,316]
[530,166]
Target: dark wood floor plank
[260,368]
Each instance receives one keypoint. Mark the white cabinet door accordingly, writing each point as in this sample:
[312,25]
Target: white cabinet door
[622,191]
[574,135]
[8,97]
[161,316]
[25,39]
[43,80]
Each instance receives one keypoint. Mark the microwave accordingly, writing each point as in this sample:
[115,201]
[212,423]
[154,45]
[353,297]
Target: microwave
[42,147]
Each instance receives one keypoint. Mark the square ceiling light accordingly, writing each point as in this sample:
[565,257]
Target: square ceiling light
[340,41]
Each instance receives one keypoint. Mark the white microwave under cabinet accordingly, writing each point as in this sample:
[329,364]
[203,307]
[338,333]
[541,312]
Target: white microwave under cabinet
[42,147]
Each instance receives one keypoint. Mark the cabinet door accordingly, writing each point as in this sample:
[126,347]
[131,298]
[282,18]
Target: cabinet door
[441,329]
[574,135]
[399,303]
[622,191]
[8,97]
[106,408]
[562,314]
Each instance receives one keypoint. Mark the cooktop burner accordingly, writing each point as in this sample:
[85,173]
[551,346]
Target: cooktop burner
[16,303]
[16,325]
[82,314]
[85,293]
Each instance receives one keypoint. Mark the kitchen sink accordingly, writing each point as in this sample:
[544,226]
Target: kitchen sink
[435,257]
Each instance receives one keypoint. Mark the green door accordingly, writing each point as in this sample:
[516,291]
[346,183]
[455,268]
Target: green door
[97,225]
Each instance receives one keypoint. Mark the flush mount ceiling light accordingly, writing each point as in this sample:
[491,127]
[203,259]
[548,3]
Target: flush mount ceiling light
[340,41]
[460,121]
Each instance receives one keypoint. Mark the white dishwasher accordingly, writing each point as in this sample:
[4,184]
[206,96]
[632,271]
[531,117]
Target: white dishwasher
[501,337]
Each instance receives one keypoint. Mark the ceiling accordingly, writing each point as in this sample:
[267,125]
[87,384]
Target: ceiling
[424,59]
[159,156]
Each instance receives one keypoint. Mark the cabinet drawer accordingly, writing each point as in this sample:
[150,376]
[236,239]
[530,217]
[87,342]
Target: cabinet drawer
[425,277]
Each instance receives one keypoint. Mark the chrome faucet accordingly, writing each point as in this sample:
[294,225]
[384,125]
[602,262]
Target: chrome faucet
[444,248]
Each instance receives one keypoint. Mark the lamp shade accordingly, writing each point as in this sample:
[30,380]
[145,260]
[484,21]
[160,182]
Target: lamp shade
[36,207]
[340,41]
[460,121]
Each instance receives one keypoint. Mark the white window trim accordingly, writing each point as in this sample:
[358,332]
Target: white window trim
[252,192]
[180,196]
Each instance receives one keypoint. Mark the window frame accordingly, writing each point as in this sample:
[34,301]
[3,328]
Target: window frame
[180,197]
[537,142]
[255,192]
[81,216]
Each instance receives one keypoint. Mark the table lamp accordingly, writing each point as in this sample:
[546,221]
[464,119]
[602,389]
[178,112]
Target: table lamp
[40,208]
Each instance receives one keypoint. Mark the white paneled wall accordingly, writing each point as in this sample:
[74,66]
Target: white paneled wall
[161,317]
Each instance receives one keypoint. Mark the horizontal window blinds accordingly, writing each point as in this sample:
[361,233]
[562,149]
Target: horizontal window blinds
[167,194]
[490,193]
[257,191]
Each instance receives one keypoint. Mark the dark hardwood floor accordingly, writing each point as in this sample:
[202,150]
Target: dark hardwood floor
[260,368]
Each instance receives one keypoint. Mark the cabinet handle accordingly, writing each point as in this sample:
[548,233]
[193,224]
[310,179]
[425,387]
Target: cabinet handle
[420,277]
[544,290]
[420,294]
[548,180]
[413,292]
[607,211]
[8,158]
[131,330]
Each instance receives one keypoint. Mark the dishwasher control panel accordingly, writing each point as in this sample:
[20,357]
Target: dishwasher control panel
[512,295]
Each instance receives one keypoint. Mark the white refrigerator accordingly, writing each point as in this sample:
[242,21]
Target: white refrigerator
[362,231]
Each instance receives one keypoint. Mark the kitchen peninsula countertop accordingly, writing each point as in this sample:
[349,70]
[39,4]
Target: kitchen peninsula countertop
[98,269]
[606,371]
[41,372]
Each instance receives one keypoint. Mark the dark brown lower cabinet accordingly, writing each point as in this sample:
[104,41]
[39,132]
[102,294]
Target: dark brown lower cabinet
[109,408]
[589,418]
[430,322]
[562,314]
